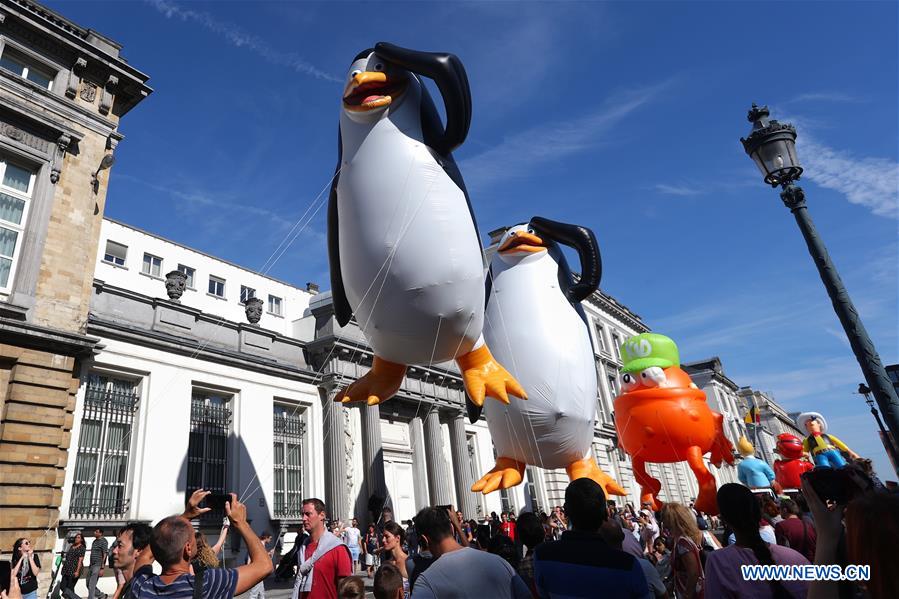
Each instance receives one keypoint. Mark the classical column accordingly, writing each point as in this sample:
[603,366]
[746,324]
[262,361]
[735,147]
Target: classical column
[461,465]
[419,467]
[372,454]
[438,478]
[335,456]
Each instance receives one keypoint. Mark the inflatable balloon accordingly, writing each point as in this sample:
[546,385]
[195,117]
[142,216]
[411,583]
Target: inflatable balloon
[403,247]
[824,448]
[537,327]
[662,417]
[787,472]
[753,472]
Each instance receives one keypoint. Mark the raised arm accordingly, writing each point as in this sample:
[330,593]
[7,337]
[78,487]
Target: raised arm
[221,541]
[260,565]
[457,527]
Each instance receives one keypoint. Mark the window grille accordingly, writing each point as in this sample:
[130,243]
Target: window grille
[207,451]
[104,443]
[289,429]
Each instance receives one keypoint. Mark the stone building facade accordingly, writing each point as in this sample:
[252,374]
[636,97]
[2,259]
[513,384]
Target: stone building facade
[773,421]
[721,395]
[63,91]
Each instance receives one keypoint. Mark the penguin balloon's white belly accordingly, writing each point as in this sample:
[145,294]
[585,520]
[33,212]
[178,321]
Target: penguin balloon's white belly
[409,254]
[536,333]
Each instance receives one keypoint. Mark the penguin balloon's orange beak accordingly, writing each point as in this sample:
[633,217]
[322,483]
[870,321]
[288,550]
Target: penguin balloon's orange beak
[522,241]
[371,89]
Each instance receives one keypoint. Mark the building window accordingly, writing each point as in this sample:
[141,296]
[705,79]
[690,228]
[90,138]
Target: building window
[274,305]
[115,253]
[152,265]
[26,67]
[600,337]
[616,343]
[16,187]
[613,384]
[246,293]
[207,450]
[604,414]
[216,286]
[474,468]
[101,465]
[189,273]
[289,428]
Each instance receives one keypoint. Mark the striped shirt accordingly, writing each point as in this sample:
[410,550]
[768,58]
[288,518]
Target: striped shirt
[99,551]
[217,584]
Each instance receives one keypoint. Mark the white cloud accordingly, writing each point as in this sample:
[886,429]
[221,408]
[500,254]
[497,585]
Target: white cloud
[518,155]
[869,182]
[676,190]
[838,97]
[240,39]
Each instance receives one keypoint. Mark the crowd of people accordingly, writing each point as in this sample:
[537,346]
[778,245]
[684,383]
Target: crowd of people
[589,547]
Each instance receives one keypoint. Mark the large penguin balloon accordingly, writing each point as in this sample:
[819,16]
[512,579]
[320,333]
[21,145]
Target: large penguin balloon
[536,326]
[403,245]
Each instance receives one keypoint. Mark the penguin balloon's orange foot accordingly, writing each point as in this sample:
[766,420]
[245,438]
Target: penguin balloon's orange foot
[588,468]
[483,375]
[377,386]
[506,473]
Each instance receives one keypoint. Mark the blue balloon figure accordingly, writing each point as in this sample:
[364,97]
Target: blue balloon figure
[753,472]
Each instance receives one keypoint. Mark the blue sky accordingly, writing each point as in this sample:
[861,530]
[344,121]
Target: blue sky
[624,117]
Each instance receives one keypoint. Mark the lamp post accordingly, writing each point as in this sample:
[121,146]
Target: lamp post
[772,146]
[887,440]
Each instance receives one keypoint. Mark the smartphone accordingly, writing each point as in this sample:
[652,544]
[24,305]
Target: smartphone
[834,484]
[216,501]
[5,575]
[444,507]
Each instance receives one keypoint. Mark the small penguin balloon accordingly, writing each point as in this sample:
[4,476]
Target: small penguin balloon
[403,246]
[537,327]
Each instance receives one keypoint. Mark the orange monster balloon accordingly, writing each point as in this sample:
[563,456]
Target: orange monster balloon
[662,417]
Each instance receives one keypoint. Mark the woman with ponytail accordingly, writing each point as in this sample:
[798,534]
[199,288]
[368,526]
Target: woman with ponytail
[740,509]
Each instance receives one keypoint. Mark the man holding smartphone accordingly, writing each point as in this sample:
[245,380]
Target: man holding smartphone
[174,547]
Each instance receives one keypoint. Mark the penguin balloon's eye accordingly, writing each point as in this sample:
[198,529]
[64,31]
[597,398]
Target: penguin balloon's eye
[629,382]
[531,231]
[379,66]
[354,73]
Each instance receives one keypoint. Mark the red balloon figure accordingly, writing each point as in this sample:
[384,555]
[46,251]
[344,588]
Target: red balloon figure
[788,470]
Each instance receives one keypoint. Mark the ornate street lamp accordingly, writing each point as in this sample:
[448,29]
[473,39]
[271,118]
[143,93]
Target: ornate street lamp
[772,146]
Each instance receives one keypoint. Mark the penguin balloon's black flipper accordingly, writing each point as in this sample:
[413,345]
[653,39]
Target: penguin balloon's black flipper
[473,410]
[584,242]
[342,310]
[448,73]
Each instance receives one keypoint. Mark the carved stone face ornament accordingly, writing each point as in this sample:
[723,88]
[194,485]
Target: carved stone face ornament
[253,309]
[175,284]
